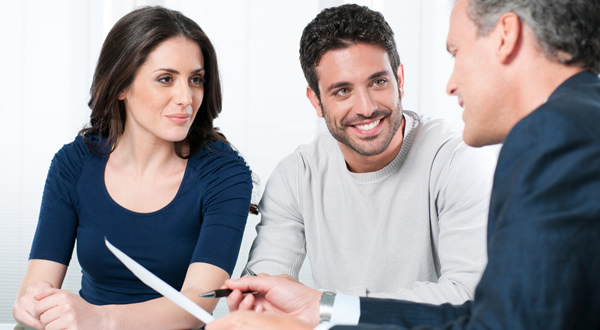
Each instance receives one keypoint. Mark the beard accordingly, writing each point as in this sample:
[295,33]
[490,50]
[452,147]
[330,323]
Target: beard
[371,145]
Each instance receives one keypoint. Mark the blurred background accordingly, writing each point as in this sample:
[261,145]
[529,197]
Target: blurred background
[49,50]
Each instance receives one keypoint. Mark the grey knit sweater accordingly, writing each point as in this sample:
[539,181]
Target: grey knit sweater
[414,230]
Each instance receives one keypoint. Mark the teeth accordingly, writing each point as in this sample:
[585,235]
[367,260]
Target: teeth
[368,126]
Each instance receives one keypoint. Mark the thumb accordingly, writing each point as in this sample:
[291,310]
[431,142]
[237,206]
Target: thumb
[45,293]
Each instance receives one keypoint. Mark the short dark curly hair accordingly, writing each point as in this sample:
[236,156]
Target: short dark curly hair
[339,27]
[567,30]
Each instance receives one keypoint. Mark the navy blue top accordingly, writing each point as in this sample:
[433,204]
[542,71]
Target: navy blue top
[204,222]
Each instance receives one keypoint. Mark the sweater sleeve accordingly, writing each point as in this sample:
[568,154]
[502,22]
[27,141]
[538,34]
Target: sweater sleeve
[280,246]
[461,183]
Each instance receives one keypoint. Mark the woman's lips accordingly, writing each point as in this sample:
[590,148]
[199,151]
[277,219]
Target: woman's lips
[179,118]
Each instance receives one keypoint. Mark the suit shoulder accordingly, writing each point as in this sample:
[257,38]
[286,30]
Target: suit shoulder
[562,117]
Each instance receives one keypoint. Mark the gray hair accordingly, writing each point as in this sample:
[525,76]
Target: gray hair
[567,30]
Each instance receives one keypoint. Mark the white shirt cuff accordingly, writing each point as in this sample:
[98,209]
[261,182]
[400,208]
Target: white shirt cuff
[346,311]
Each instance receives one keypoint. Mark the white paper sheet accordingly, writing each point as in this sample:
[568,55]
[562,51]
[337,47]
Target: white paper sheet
[160,286]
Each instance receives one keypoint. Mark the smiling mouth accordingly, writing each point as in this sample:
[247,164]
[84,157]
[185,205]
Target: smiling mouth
[369,126]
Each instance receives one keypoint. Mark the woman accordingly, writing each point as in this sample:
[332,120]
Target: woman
[150,173]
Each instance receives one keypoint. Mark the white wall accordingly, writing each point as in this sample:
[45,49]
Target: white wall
[49,49]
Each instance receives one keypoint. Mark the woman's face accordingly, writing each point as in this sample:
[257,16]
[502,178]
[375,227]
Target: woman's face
[166,92]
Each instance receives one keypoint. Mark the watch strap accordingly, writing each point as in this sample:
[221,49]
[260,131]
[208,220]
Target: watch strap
[326,306]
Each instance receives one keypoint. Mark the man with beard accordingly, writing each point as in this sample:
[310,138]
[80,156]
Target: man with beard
[391,203]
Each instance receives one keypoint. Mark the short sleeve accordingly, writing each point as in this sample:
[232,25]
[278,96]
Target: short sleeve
[57,224]
[226,198]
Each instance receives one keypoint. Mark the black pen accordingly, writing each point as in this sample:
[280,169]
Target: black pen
[219,293]
[216,293]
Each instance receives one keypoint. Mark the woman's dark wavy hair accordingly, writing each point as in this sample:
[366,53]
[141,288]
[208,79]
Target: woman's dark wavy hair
[567,30]
[125,49]
[339,27]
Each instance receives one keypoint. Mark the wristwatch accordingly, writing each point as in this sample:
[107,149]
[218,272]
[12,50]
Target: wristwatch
[326,306]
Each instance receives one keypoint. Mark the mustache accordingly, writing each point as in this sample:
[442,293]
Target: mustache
[379,113]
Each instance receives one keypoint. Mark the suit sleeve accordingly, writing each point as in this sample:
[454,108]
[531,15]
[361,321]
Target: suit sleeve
[398,314]
[280,247]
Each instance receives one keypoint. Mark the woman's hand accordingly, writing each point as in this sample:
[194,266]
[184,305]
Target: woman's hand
[24,306]
[62,309]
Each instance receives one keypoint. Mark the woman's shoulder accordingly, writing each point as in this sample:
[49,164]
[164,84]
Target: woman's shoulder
[70,159]
[78,149]
[218,156]
[218,164]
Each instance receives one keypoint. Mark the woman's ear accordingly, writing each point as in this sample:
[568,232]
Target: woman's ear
[122,95]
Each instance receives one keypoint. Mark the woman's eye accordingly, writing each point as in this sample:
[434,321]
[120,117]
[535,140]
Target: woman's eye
[198,80]
[165,79]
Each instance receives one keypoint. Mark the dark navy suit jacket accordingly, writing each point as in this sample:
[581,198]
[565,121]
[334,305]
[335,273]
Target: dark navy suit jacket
[543,267]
